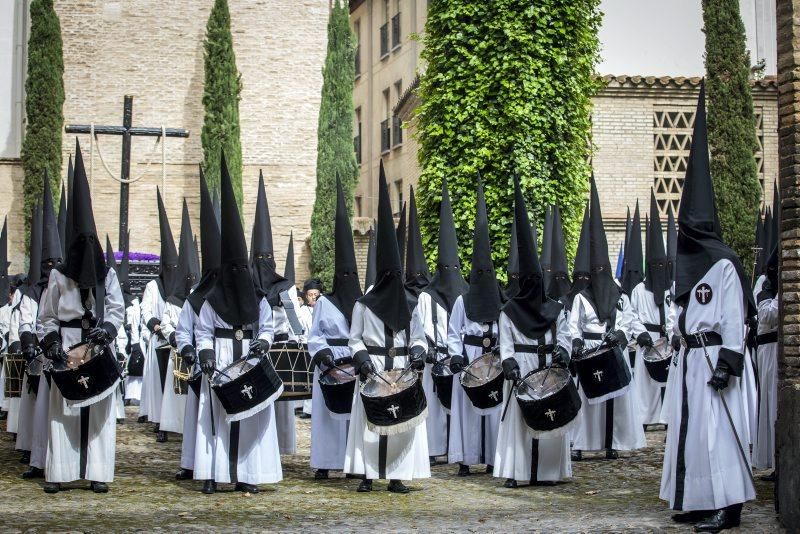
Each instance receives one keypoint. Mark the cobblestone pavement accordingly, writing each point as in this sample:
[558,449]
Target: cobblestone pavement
[605,496]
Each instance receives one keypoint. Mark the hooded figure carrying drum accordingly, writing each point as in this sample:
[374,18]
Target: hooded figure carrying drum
[82,303]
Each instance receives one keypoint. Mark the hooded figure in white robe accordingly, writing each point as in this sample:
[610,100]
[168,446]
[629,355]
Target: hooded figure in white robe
[233,323]
[134,348]
[706,469]
[380,333]
[83,302]
[601,315]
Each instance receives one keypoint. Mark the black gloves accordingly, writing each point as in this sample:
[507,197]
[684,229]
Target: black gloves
[99,336]
[366,369]
[55,352]
[719,380]
[28,346]
[431,355]
[644,340]
[577,347]
[259,346]
[417,358]
[15,347]
[676,342]
[417,364]
[511,370]
[208,361]
[326,360]
[173,341]
[457,364]
[561,357]
[189,355]
[620,338]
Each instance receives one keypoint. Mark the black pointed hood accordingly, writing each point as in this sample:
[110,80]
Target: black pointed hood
[269,283]
[772,264]
[111,261]
[559,282]
[217,208]
[233,297]
[700,243]
[210,245]
[62,220]
[387,299]
[401,233]
[581,269]
[288,266]
[369,276]
[512,269]
[633,269]
[547,247]
[187,268]
[51,240]
[123,274]
[672,246]
[603,291]
[531,311]
[346,289]
[5,281]
[483,299]
[70,195]
[447,283]
[417,276]
[168,271]
[759,246]
[84,262]
[657,277]
[33,287]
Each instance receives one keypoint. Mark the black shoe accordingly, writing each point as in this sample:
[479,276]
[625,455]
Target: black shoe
[772,477]
[33,472]
[246,488]
[321,474]
[463,470]
[725,518]
[432,460]
[304,415]
[3,416]
[25,458]
[395,486]
[510,483]
[576,456]
[692,517]
[184,474]
[644,427]
[161,437]
[126,402]
[142,419]
[157,428]
[209,487]
[489,469]
[99,487]
[52,487]
[365,486]
[612,454]
[351,475]
[120,421]
[544,483]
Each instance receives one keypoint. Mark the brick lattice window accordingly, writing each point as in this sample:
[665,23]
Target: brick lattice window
[672,137]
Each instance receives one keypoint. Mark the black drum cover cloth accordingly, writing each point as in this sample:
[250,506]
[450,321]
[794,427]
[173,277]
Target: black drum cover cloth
[658,359]
[293,365]
[162,359]
[443,382]
[90,382]
[549,402]
[338,387]
[195,381]
[136,364]
[482,381]
[603,374]
[246,387]
[396,409]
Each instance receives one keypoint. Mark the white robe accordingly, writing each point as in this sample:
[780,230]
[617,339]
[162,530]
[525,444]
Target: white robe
[649,393]
[473,434]
[12,404]
[437,421]
[133,316]
[5,323]
[173,406]
[152,308]
[41,410]
[64,446]
[184,336]
[516,447]
[703,468]
[284,409]
[626,429]
[328,430]
[256,459]
[764,442]
[306,315]
[26,323]
[406,453]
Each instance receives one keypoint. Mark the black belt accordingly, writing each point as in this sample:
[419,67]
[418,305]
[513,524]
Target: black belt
[440,350]
[534,349]
[696,341]
[337,342]
[281,338]
[652,327]
[769,337]
[383,351]
[83,324]
[230,333]
[593,336]
[479,341]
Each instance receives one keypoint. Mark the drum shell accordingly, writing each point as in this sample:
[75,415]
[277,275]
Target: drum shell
[338,396]
[443,383]
[612,370]
[412,407]
[658,370]
[566,403]
[264,381]
[15,367]
[292,363]
[488,395]
[136,364]
[103,371]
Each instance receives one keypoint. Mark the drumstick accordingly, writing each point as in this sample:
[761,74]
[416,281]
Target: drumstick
[402,374]
[470,374]
[375,373]
[342,370]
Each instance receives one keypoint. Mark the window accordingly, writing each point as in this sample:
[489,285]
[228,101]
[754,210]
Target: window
[384,31]
[357,136]
[357,32]
[385,126]
[398,194]
[396,26]
[358,205]
[397,123]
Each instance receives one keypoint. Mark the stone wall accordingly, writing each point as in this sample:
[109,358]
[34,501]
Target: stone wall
[154,51]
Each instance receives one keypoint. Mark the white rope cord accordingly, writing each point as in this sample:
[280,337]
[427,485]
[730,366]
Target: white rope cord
[96,139]
[163,162]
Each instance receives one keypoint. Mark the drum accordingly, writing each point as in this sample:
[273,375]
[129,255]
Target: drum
[90,375]
[34,371]
[247,387]
[293,365]
[657,359]
[394,407]
[14,365]
[482,381]
[443,382]
[603,374]
[163,354]
[195,381]
[135,366]
[180,374]
[338,387]
[549,401]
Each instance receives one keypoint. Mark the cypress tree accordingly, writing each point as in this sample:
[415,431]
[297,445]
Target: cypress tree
[44,101]
[335,155]
[731,125]
[221,93]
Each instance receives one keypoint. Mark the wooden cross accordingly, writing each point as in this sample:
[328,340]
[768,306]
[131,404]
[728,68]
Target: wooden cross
[127,130]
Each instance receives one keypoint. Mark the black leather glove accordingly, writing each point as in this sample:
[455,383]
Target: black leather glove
[29,353]
[173,341]
[621,338]
[644,340]
[511,370]
[15,347]
[55,352]
[28,346]
[367,368]
[99,336]
[431,355]
[577,347]
[676,342]
[189,355]
[456,364]
[325,360]
[259,346]
[561,357]
[719,380]
[416,358]
[208,361]
[417,364]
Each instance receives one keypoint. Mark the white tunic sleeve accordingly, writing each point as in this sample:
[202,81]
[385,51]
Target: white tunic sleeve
[48,307]
[28,310]
[455,343]
[732,320]
[184,330]
[135,320]
[169,319]
[148,304]
[563,333]
[419,320]
[114,305]
[356,342]
[506,337]
[574,320]
[204,330]
[768,315]
[265,329]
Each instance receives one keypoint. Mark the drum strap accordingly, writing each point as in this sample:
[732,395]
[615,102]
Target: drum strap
[388,364]
[592,336]
[336,342]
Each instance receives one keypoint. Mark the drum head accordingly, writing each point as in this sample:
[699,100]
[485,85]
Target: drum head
[334,376]
[442,368]
[660,351]
[81,353]
[375,387]
[542,383]
[235,370]
[481,371]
